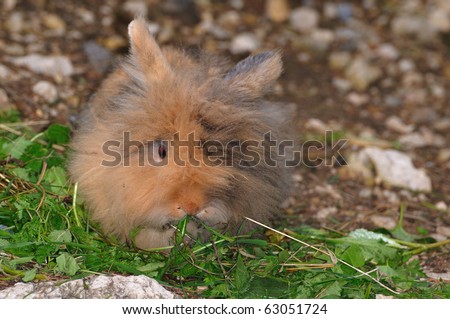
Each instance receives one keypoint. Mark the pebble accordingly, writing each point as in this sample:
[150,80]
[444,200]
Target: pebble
[342,85]
[135,7]
[443,155]
[5,73]
[99,58]
[325,212]
[9,5]
[46,90]
[230,20]
[362,74]
[321,39]
[441,206]
[421,139]
[208,25]
[344,11]
[244,43]
[330,10]
[443,231]
[49,65]
[15,22]
[387,51]
[391,197]
[424,115]
[277,10]
[304,20]
[316,125]
[394,123]
[237,4]
[383,221]
[439,19]
[406,65]
[407,25]
[54,22]
[339,60]
[358,99]
[392,101]
[87,16]
[365,193]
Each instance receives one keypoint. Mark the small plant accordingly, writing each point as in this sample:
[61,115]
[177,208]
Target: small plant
[45,233]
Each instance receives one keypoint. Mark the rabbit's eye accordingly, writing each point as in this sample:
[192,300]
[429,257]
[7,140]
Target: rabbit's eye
[162,151]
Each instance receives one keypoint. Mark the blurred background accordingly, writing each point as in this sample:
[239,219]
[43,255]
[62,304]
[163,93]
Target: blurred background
[375,72]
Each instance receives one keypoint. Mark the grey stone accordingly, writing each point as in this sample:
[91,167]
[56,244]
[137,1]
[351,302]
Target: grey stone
[48,65]
[94,287]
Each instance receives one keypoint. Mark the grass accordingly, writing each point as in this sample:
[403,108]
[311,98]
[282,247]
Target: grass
[47,234]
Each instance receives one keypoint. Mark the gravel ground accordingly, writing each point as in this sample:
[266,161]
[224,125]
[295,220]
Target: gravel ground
[374,72]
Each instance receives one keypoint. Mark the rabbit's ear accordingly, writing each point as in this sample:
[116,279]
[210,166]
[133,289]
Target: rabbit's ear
[146,51]
[256,74]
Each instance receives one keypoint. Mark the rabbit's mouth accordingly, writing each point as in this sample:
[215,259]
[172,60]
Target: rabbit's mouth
[213,215]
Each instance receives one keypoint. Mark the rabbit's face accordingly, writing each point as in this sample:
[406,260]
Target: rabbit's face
[175,125]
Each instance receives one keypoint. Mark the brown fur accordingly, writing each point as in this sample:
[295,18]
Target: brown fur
[155,94]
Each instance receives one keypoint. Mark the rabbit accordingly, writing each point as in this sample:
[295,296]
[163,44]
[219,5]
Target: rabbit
[159,97]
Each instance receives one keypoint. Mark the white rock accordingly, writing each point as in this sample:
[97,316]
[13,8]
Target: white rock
[244,42]
[46,90]
[48,65]
[304,19]
[94,287]
[396,169]
[362,74]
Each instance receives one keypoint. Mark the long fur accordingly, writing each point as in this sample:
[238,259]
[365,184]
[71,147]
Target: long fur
[155,94]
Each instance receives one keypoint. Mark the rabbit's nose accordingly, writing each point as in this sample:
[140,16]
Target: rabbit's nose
[191,209]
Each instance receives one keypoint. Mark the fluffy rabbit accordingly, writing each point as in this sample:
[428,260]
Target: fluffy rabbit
[127,159]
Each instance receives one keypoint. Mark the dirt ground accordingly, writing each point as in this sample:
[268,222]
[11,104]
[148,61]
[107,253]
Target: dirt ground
[399,95]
